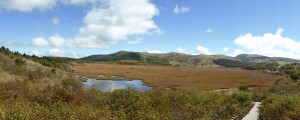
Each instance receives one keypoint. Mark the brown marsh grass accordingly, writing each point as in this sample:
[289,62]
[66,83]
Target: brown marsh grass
[180,77]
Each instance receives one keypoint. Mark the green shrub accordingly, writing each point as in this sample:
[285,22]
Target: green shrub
[244,88]
[230,63]
[20,61]
[284,85]
[295,75]
[242,97]
[280,107]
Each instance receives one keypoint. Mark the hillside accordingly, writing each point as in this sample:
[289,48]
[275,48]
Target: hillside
[179,59]
[254,58]
[175,59]
[42,70]
[121,55]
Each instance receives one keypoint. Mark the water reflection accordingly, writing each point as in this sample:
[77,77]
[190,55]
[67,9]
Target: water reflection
[110,85]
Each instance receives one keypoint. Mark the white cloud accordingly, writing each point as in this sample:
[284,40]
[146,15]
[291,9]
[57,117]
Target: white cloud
[270,45]
[60,53]
[209,31]
[56,40]
[133,42]
[41,5]
[10,43]
[40,41]
[225,49]
[202,50]
[155,51]
[116,22]
[55,53]
[27,5]
[181,50]
[37,53]
[78,2]
[179,10]
[113,21]
[55,21]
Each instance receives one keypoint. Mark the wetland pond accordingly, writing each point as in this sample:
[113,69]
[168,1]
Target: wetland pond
[111,85]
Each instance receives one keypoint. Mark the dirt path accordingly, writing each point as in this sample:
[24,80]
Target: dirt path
[253,114]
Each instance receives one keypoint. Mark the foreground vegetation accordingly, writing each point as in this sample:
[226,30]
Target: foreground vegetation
[22,100]
[282,101]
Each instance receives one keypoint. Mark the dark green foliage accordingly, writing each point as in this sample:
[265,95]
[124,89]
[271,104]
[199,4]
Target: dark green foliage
[53,70]
[242,97]
[229,63]
[283,103]
[121,55]
[128,58]
[292,70]
[280,107]
[244,88]
[253,58]
[295,75]
[157,61]
[284,85]
[53,62]
[263,66]
[20,61]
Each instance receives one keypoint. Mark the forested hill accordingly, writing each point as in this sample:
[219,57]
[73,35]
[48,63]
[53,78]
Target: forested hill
[253,58]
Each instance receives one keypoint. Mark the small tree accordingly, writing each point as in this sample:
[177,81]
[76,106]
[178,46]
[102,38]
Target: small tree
[20,61]
[295,75]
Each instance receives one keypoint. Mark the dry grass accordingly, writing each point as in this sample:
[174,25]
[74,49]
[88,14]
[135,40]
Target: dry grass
[180,77]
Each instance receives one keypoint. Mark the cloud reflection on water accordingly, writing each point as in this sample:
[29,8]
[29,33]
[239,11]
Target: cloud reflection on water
[110,85]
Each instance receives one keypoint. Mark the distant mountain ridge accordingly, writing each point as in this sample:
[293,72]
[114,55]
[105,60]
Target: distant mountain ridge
[121,55]
[254,58]
[180,59]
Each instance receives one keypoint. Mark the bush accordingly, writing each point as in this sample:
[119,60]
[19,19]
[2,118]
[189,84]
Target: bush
[242,97]
[244,88]
[230,63]
[20,61]
[284,85]
[295,75]
[282,107]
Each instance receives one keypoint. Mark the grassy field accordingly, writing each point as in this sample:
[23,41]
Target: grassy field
[180,77]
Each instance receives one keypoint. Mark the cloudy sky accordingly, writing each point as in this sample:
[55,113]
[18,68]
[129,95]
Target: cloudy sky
[77,28]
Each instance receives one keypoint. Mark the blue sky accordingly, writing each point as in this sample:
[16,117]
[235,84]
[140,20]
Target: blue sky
[77,28]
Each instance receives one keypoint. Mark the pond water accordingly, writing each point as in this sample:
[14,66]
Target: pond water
[111,85]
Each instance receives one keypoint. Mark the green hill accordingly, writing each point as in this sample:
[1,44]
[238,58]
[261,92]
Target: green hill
[253,58]
[179,59]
